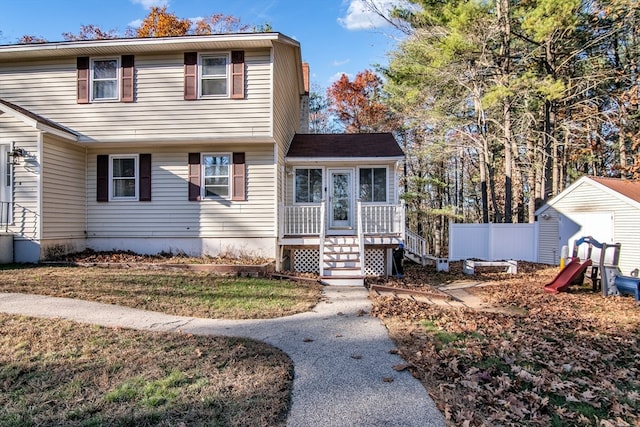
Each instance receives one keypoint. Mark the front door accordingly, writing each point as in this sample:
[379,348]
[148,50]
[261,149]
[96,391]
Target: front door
[341,199]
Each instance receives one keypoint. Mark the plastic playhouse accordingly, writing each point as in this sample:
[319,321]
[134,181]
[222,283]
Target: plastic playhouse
[600,265]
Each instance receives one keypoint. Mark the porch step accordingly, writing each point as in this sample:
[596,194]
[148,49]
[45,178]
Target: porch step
[342,271]
[343,281]
[342,261]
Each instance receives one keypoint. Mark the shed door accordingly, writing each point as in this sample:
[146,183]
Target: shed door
[598,225]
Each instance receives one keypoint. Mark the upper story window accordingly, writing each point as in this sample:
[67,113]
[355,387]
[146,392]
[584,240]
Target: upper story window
[216,175]
[373,184]
[214,75]
[104,79]
[124,177]
[308,186]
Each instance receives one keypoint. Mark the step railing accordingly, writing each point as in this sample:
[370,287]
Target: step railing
[416,245]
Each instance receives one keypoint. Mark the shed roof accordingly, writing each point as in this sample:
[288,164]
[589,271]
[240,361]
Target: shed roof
[630,189]
[349,145]
[626,190]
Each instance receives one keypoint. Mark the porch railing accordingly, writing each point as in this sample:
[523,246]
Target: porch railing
[378,219]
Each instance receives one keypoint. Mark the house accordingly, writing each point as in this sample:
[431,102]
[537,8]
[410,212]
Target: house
[194,145]
[608,209]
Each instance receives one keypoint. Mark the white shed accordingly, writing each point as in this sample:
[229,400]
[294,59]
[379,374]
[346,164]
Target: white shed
[608,209]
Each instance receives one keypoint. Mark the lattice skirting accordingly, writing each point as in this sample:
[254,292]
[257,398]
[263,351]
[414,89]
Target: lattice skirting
[306,260]
[375,262]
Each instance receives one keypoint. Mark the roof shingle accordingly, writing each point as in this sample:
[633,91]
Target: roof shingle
[345,145]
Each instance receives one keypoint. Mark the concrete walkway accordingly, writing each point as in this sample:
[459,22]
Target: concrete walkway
[343,368]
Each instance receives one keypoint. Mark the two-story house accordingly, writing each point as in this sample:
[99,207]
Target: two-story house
[194,145]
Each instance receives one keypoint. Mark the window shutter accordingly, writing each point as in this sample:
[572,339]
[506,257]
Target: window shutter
[128,78]
[194,177]
[144,181]
[190,75]
[102,173]
[83,79]
[237,74]
[239,174]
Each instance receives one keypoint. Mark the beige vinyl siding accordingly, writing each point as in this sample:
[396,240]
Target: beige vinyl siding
[63,190]
[26,176]
[48,88]
[171,215]
[589,197]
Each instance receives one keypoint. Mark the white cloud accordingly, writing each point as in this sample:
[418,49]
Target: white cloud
[337,63]
[148,4]
[360,15]
[135,24]
[337,76]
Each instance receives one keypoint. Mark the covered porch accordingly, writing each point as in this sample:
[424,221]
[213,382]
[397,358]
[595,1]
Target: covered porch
[341,214]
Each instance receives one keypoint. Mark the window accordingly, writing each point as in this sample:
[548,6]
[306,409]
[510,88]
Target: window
[215,173]
[308,186]
[104,79]
[373,184]
[210,75]
[214,75]
[124,177]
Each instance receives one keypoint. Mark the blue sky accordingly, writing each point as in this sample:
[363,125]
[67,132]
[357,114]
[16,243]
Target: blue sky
[337,36]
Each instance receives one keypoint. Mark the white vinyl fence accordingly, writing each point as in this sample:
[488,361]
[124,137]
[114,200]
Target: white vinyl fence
[493,242]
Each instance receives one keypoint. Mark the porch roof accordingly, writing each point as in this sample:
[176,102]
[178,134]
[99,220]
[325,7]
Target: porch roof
[345,145]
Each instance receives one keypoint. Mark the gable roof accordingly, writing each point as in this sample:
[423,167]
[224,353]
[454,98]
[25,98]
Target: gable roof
[625,190]
[36,121]
[345,145]
[630,189]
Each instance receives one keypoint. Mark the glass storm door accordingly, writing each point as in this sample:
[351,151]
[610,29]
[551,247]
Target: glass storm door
[341,199]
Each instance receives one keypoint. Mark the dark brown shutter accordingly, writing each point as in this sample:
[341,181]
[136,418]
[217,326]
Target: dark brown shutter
[190,75]
[194,177]
[102,173]
[237,74]
[83,79]
[144,181]
[239,175]
[128,78]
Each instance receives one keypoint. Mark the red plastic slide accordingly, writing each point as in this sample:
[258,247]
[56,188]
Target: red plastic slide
[566,276]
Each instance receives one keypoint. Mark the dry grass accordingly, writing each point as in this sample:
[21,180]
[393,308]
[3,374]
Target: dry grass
[55,372]
[182,293]
[571,359]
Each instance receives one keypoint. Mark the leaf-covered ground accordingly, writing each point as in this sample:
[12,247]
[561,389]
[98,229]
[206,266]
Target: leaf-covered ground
[569,359]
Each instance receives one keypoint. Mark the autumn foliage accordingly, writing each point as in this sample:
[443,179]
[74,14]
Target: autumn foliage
[358,104]
[161,23]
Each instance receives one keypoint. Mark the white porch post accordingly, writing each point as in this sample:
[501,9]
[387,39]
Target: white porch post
[321,236]
[360,235]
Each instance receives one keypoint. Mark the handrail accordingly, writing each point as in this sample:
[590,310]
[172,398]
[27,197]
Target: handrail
[415,244]
[360,235]
[322,235]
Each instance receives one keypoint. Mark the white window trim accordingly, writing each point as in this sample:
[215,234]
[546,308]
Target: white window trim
[203,190]
[386,193]
[117,78]
[137,177]
[322,171]
[227,56]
